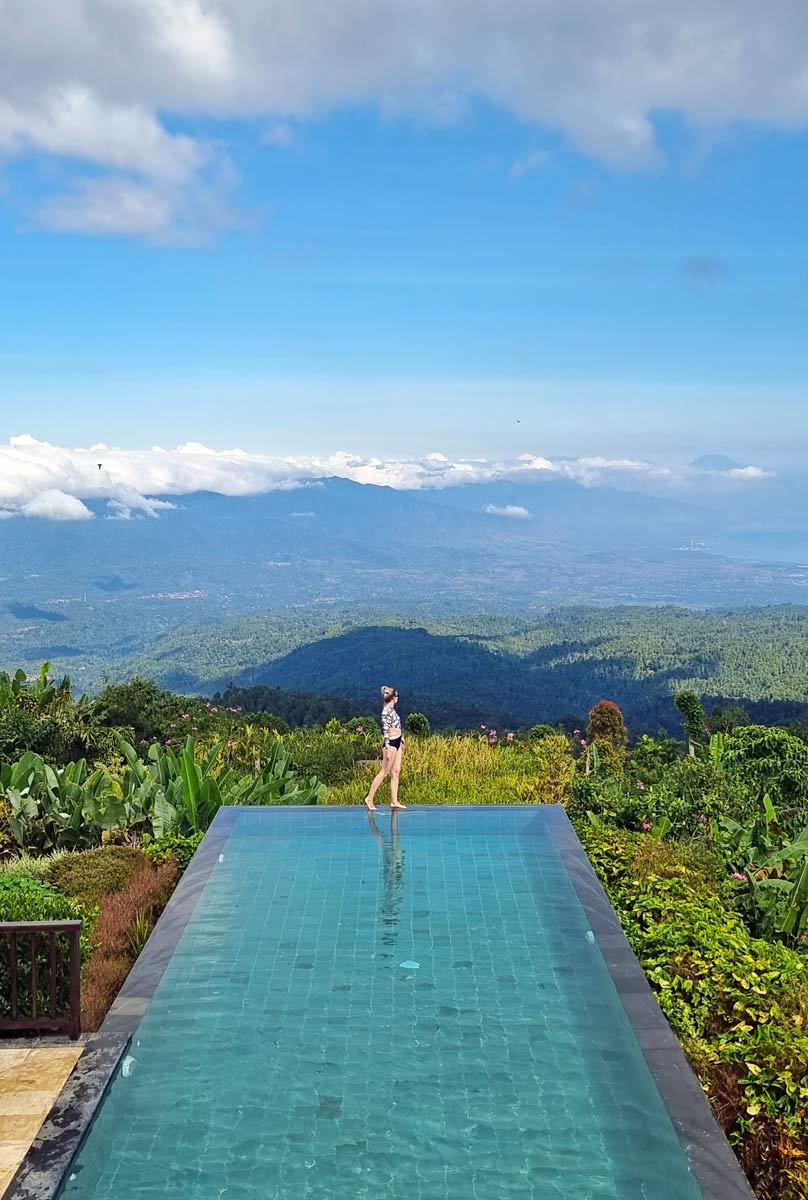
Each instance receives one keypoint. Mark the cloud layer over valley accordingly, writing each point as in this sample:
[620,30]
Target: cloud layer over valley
[38,479]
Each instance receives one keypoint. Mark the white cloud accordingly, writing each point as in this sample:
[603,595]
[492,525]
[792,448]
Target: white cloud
[280,134]
[56,505]
[109,206]
[530,162]
[73,122]
[39,479]
[508,510]
[744,473]
[107,81]
[151,176]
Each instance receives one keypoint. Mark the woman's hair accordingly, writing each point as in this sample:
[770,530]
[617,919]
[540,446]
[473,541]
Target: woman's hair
[388,693]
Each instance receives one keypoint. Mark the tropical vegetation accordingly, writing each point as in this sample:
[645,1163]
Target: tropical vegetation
[700,839]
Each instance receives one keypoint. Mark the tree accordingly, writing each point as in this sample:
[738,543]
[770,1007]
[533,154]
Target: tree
[537,732]
[651,756]
[770,760]
[142,706]
[606,725]
[724,718]
[693,717]
[418,725]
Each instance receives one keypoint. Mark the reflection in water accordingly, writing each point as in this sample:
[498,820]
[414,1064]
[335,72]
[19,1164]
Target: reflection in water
[393,870]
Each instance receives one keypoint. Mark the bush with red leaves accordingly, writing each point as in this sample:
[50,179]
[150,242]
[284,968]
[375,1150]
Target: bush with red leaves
[143,899]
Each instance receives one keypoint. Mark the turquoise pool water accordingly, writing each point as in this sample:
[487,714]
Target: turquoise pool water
[403,1009]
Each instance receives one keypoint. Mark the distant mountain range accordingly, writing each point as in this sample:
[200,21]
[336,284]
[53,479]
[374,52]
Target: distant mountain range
[99,593]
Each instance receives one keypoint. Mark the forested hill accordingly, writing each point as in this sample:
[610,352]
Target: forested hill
[514,673]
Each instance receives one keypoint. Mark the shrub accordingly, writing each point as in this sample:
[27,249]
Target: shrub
[738,1003]
[7,841]
[26,899]
[537,732]
[60,736]
[147,891]
[90,875]
[332,754]
[650,758]
[175,848]
[33,866]
[418,725]
[103,978]
[117,934]
[607,759]
[606,799]
[555,769]
[690,793]
[19,731]
[366,725]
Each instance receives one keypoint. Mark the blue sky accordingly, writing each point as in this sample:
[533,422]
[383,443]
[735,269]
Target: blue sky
[396,282]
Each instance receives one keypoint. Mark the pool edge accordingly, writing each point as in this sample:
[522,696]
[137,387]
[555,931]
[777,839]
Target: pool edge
[703,1142]
[42,1171]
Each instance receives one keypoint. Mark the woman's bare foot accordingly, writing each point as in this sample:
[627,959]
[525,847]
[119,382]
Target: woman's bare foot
[370,806]
[397,805]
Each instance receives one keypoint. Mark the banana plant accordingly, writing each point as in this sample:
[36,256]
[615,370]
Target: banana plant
[661,829]
[186,789]
[45,691]
[65,808]
[749,842]
[773,895]
[180,791]
[11,687]
[788,879]
[719,743]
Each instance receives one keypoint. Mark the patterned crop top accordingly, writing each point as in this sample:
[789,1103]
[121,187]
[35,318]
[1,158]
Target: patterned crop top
[391,722]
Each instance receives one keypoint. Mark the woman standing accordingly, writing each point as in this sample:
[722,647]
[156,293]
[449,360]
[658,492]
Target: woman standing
[391,754]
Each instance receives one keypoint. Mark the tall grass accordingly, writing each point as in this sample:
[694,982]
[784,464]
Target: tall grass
[445,770]
[31,866]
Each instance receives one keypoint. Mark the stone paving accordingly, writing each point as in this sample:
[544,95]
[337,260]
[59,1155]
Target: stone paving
[30,1081]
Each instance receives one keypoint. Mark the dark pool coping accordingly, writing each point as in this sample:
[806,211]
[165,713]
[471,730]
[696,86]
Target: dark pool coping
[707,1150]
[704,1143]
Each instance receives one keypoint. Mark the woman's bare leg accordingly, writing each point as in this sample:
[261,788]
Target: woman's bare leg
[394,774]
[379,780]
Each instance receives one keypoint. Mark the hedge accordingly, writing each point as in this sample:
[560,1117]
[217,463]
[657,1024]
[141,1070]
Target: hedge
[25,899]
[175,847]
[89,875]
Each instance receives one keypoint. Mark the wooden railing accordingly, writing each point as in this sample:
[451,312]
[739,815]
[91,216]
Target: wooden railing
[26,986]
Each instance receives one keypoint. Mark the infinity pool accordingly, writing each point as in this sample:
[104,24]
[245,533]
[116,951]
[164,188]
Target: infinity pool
[410,1008]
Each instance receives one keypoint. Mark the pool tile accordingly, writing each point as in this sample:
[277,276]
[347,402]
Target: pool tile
[287,1051]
